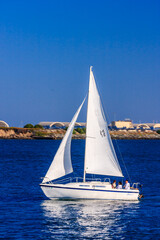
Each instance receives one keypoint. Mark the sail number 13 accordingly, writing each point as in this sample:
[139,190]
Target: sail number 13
[102,132]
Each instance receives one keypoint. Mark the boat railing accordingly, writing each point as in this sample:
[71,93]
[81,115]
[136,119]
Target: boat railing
[47,179]
[79,179]
[63,181]
[136,185]
[107,180]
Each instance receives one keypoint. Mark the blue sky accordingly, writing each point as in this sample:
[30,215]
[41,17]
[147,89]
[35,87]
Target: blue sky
[46,48]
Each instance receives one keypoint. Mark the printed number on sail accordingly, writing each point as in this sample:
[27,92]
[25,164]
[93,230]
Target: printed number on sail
[102,132]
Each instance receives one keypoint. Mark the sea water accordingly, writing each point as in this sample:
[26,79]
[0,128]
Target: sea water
[25,213]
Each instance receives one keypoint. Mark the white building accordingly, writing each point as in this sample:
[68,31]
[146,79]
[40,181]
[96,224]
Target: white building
[3,124]
[57,125]
[128,124]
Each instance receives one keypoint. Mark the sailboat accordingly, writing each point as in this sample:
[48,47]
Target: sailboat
[100,159]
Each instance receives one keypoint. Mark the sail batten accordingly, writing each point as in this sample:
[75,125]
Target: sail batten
[61,164]
[100,156]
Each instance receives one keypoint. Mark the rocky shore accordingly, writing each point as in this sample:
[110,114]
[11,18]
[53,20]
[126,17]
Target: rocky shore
[134,134]
[24,133]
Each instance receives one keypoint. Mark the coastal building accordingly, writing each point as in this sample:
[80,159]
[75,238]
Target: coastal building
[147,126]
[60,125]
[126,124]
[129,125]
[3,124]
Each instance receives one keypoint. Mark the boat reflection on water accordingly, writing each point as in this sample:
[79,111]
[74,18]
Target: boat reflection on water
[88,219]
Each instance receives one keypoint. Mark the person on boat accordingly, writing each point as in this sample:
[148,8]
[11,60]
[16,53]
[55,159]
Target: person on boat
[119,185]
[114,184]
[127,185]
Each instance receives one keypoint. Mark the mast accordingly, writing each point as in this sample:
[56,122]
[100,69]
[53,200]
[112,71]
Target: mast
[84,174]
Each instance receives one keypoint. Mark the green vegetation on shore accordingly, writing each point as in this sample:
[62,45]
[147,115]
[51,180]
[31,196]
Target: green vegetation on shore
[29,125]
[81,130]
[78,130]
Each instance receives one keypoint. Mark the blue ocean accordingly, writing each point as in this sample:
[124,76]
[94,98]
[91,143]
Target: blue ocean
[25,213]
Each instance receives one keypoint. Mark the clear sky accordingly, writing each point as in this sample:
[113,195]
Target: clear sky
[46,48]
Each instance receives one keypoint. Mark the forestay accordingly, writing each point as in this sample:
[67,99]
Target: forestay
[100,157]
[61,164]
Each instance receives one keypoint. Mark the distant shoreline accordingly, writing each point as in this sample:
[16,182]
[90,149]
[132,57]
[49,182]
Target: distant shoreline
[55,134]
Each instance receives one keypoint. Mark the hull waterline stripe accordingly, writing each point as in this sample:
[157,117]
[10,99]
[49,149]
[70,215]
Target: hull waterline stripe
[99,190]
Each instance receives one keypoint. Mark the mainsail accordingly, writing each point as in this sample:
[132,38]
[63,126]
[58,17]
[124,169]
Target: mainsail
[100,156]
[61,164]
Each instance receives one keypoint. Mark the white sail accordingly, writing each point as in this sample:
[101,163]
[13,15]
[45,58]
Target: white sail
[62,164]
[100,157]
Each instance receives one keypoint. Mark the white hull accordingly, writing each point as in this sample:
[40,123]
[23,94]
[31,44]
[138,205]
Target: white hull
[88,190]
